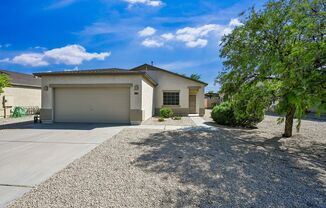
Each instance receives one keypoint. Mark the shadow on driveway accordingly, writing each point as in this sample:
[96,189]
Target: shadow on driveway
[219,168]
[59,126]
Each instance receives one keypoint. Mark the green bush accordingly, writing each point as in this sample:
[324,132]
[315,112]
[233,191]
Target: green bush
[247,113]
[224,114]
[176,118]
[160,119]
[246,108]
[166,112]
[250,103]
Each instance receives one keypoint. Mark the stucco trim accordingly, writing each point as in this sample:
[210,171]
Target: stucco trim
[194,87]
[46,114]
[136,115]
[201,111]
[171,106]
[98,72]
[91,85]
[171,90]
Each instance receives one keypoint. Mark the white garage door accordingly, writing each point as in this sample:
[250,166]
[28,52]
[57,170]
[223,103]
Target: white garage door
[92,105]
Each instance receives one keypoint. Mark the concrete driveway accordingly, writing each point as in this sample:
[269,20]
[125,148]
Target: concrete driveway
[31,153]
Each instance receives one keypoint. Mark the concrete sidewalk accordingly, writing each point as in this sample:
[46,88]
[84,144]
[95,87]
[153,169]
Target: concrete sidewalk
[32,153]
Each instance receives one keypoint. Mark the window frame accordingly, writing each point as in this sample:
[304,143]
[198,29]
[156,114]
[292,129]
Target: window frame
[174,101]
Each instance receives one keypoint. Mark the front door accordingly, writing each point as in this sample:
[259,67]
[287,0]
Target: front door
[192,104]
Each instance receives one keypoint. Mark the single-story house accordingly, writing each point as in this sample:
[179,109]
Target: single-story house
[25,91]
[118,95]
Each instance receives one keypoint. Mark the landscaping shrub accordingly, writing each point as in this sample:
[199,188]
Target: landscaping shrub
[249,105]
[224,114]
[246,108]
[246,113]
[166,112]
[160,119]
[176,118]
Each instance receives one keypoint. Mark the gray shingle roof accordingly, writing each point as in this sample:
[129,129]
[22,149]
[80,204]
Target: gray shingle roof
[109,71]
[81,71]
[21,79]
[145,67]
[116,71]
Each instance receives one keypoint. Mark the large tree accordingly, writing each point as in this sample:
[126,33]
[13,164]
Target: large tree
[282,46]
[195,76]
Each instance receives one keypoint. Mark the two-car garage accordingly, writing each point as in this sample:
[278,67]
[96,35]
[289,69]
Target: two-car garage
[96,96]
[92,104]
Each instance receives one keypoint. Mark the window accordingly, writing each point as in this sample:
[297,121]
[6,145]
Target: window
[171,98]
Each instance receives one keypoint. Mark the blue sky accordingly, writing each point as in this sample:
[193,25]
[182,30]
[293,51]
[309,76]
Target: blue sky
[181,36]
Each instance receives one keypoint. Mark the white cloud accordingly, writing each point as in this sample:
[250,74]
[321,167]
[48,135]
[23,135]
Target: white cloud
[178,65]
[184,64]
[195,32]
[69,55]
[198,43]
[195,37]
[5,60]
[150,43]
[73,55]
[32,59]
[147,31]
[235,22]
[167,36]
[39,48]
[153,3]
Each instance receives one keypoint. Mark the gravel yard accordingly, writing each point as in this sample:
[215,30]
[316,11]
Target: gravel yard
[185,121]
[195,167]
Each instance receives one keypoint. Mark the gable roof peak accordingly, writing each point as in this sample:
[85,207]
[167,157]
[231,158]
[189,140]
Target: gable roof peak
[145,67]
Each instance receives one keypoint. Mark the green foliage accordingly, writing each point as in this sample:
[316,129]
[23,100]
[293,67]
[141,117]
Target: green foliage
[166,112]
[195,76]
[160,119]
[176,118]
[4,82]
[246,108]
[284,46]
[224,114]
[250,103]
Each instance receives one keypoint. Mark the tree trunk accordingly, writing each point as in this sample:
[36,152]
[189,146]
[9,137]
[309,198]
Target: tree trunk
[289,122]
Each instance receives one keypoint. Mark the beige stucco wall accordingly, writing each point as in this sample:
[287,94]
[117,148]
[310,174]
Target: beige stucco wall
[143,101]
[210,102]
[170,82]
[147,99]
[135,98]
[21,96]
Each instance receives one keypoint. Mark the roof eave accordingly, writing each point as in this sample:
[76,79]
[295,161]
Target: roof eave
[144,74]
[25,85]
[157,68]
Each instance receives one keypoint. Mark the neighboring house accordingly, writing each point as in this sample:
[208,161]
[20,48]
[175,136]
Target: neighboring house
[25,91]
[212,99]
[117,95]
